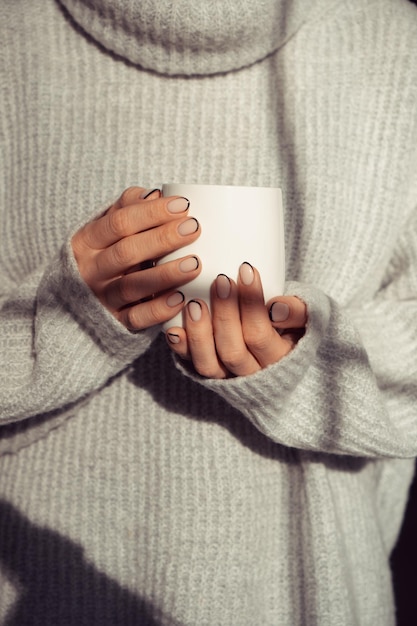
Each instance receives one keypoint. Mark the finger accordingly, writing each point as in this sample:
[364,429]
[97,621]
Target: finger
[155,311]
[132,195]
[261,338]
[141,216]
[200,340]
[152,244]
[228,336]
[131,288]
[287,312]
[177,341]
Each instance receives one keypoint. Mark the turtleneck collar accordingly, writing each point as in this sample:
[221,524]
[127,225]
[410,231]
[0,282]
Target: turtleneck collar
[189,37]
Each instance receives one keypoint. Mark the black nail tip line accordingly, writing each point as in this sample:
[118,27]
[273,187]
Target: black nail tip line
[247,263]
[188,205]
[270,312]
[172,337]
[196,301]
[151,192]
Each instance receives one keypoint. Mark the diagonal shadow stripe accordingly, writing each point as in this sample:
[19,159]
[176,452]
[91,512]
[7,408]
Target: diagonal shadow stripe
[58,586]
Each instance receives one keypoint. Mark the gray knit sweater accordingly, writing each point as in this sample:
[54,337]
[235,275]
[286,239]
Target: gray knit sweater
[131,490]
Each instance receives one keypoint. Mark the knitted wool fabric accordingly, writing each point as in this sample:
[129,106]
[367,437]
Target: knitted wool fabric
[131,490]
[185,38]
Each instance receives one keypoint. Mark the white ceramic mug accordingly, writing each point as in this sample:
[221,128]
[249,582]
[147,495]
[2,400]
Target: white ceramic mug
[237,224]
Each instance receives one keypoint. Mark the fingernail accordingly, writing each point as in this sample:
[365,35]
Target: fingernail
[175,299]
[223,286]
[195,310]
[148,192]
[178,205]
[173,338]
[279,312]
[189,265]
[188,227]
[246,273]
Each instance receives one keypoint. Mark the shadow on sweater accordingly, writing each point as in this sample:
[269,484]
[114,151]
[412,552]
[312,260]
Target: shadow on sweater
[155,371]
[57,585]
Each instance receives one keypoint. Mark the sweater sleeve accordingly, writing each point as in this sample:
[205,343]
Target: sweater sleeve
[350,385]
[58,344]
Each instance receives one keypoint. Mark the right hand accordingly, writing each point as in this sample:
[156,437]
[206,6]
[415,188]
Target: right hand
[116,252]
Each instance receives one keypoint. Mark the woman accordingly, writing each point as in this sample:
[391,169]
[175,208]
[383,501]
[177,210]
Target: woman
[205,489]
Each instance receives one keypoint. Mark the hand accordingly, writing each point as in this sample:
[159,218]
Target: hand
[116,256]
[241,336]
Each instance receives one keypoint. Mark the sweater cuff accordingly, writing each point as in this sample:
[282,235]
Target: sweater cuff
[263,395]
[67,285]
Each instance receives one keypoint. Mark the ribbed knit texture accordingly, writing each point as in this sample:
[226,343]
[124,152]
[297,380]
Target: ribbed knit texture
[132,491]
[187,38]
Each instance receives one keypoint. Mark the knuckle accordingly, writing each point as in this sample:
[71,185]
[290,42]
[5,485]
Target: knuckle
[165,273]
[164,238]
[208,370]
[133,320]
[118,223]
[234,360]
[154,311]
[143,315]
[126,292]
[222,318]
[216,374]
[128,195]
[197,342]
[123,254]
[154,210]
[256,340]
[79,244]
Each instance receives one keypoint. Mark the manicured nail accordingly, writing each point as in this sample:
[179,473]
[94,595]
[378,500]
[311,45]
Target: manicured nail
[195,310]
[279,312]
[178,205]
[246,273]
[188,227]
[223,286]
[175,299]
[189,265]
[173,338]
[148,192]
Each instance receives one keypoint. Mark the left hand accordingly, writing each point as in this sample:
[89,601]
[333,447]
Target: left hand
[240,337]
